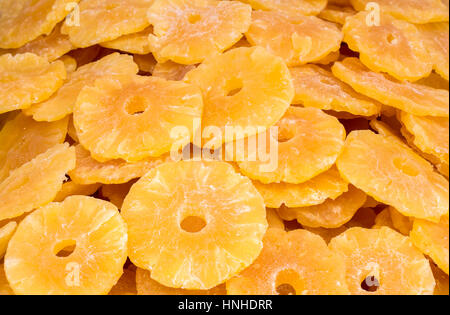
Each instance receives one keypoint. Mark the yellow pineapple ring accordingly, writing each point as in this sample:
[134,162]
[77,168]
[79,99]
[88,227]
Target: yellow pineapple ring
[140,111]
[147,286]
[291,7]
[116,193]
[395,46]
[71,188]
[89,171]
[296,262]
[101,21]
[171,71]
[330,58]
[414,11]
[382,261]
[394,174]
[194,224]
[26,79]
[244,87]
[24,20]
[136,43]
[22,139]
[78,246]
[5,288]
[329,184]
[298,40]
[126,284]
[36,182]
[336,14]
[61,104]
[189,31]
[436,40]
[309,142]
[413,98]
[432,239]
[317,87]
[6,232]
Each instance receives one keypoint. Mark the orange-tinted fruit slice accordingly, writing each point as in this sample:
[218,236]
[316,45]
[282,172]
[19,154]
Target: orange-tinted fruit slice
[170,70]
[436,40]
[290,7]
[5,288]
[136,43]
[6,232]
[71,188]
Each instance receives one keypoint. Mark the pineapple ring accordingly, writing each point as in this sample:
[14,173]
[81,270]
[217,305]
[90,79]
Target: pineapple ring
[336,14]
[6,232]
[71,188]
[194,224]
[295,262]
[395,46]
[140,111]
[171,71]
[244,87]
[394,174]
[189,31]
[95,229]
[136,43]
[5,289]
[290,7]
[298,40]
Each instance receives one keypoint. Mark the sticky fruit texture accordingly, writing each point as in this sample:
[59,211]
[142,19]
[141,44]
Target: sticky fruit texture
[244,87]
[101,21]
[327,185]
[24,20]
[297,39]
[400,222]
[432,239]
[36,182]
[147,286]
[412,98]
[146,63]
[22,139]
[414,11]
[137,115]
[332,213]
[26,79]
[5,289]
[78,247]
[126,284]
[116,193]
[394,46]
[170,70]
[194,224]
[71,188]
[319,88]
[436,39]
[6,232]
[442,281]
[290,7]
[189,31]
[61,104]
[383,262]
[292,263]
[337,14]
[136,43]
[273,219]
[309,142]
[394,175]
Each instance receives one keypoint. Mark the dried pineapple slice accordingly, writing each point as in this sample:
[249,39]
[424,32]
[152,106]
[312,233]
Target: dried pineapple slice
[274,220]
[61,104]
[194,224]
[146,63]
[6,232]
[413,98]
[136,43]
[296,262]
[395,46]
[70,63]
[71,188]
[382,261]
[26,79]
[394,174]
[189,31]
[35,183]
[5,288]
[383,219]
[400,222]
[298,40]
[336,14]
[171,71]
[290,7]
[93,236]
[436,40]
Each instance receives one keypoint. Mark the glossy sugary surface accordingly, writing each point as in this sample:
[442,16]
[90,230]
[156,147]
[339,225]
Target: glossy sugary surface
[436,37]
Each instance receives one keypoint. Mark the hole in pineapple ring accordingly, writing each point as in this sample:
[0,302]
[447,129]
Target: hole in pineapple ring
[286,131]
[370,284]
[65,248]
[391,39]
[288,282]
[136,105]
[194,18]
[193,224]
[233,87]
[286,289]
[405,167]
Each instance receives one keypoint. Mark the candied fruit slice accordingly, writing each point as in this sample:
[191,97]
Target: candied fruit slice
[61,104]
[400,222]
[69,62]
[317,87]
[138,115]
[337,14]
[24,20]
[189,31]
[244,87]
[384,219]
[327,185]
[126,284]
[136,43]
[383,262]
[116,193]
[6,232]
[78,246]
[436,40]
[273,219]
[105,20]
[36,182]
[432,239]
[170,70]
[26,79]
[147,286]
[413,98]
[146,63]
[298,40]
[327,234]
[71,188]
[22,139]
[5,288]
[290,7]
[89,171]
[194,224]
[394,174]
[394,46]
[292,263]
[309,142]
